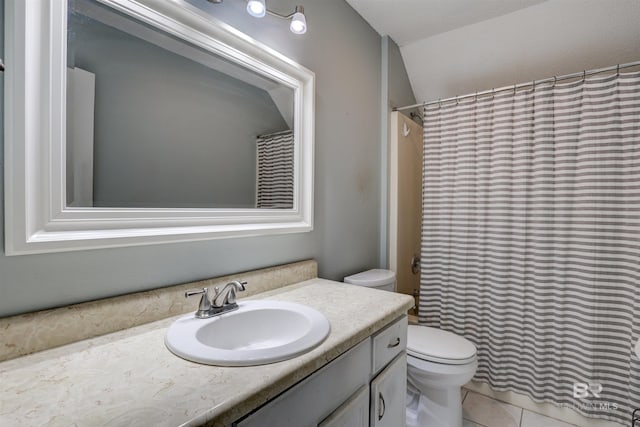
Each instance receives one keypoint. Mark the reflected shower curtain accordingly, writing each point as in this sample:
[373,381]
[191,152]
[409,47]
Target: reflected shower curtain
[531,239]
[274,175]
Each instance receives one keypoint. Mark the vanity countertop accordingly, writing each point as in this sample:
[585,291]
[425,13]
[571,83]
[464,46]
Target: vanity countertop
[130,378]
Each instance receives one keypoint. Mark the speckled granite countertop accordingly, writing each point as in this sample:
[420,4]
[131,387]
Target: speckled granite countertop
[129,378]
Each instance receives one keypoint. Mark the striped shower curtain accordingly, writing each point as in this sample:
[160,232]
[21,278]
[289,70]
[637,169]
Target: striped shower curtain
[274,176]
[531,239]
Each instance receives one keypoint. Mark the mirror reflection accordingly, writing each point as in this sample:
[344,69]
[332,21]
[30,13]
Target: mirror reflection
[156,122]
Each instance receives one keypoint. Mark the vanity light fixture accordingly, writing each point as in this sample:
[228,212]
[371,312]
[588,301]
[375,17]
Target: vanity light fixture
[258,9]
[298,21]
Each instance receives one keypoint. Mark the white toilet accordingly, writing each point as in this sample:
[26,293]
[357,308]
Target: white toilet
[438,364]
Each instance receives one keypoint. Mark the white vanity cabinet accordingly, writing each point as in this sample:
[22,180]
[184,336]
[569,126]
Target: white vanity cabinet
[364,387]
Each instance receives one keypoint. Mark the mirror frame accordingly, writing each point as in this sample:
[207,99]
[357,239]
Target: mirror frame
[37,219]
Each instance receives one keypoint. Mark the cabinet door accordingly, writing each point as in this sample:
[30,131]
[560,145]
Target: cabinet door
[315,397]
[388,395]
[353,413]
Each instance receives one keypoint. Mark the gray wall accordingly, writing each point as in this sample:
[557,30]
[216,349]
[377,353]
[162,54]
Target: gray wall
[169,132]
[344,52]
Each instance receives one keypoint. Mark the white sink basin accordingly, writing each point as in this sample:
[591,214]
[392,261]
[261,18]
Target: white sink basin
[258,332]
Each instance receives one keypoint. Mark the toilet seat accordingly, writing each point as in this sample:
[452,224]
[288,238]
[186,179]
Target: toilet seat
[438,346]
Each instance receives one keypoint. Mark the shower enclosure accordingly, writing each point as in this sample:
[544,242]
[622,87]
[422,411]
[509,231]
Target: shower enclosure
[531,236]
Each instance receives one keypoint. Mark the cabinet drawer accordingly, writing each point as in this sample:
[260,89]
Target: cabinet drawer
[388,343]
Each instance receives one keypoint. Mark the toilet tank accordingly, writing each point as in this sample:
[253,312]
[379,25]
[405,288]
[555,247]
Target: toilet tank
[376,278]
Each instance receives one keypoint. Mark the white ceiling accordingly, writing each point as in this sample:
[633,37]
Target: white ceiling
[407,21]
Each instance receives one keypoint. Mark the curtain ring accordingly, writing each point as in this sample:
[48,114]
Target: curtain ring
[555,80]
[457,100]
[439,103]
[618,70]
[584,75]
[493,93]
[475,98]
[514,89]
[533,86]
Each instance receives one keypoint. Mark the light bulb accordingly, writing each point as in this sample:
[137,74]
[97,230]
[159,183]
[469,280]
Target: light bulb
[298,21]
[256,8]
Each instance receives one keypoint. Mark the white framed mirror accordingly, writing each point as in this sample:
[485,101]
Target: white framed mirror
[131,122]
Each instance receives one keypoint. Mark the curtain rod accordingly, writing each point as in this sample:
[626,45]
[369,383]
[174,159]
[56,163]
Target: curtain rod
[554,79]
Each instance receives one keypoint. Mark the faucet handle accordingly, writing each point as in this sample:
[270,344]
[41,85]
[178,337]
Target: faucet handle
[231,296]
[192,292]
[237,286]
[205,301]
[241,285]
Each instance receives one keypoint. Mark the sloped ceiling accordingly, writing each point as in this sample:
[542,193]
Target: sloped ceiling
[407,21]
[457,47]
[410,22]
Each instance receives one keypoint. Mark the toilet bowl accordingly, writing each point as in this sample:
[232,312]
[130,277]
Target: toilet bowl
[438,364]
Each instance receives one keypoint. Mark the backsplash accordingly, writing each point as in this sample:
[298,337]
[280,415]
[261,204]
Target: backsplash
[31,332]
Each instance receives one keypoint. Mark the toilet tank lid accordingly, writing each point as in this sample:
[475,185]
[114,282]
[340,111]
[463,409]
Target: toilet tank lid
[438,345]
[372,278]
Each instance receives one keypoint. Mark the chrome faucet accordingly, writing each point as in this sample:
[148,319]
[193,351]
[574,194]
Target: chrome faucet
[221,301]
[227,296]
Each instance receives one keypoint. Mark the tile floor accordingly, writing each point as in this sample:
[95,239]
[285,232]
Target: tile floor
[482,411]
